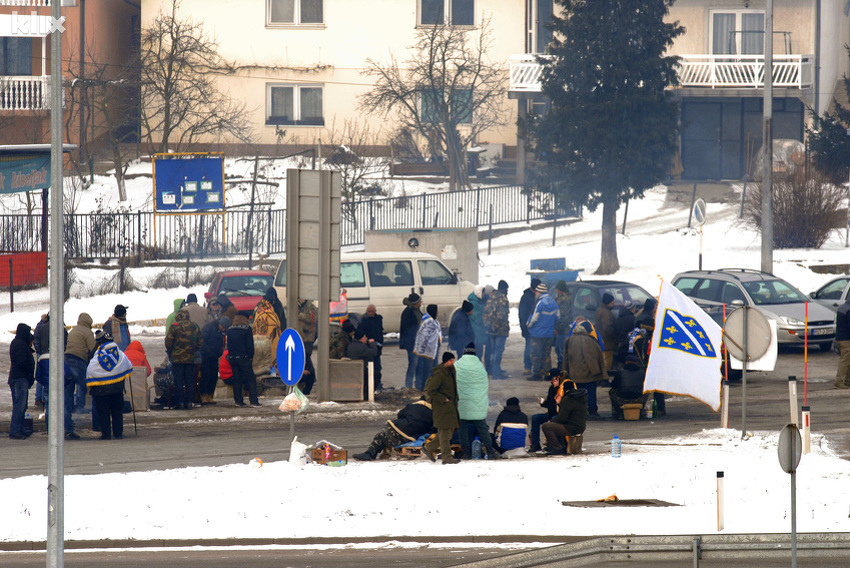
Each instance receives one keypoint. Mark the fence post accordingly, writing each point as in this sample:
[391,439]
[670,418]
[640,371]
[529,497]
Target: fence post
[528,207]
[436,219]
[11,287]
[269,231]
[423,209]
[371,214]
[554,217]
[490,233]
[188,255]
[139,238]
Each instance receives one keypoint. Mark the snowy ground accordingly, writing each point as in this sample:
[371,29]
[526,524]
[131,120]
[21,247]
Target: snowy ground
[476,498]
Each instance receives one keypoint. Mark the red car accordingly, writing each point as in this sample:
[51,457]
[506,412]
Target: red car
[242,287]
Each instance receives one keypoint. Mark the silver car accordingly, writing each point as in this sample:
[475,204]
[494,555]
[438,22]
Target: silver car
[775,298]
[833,293]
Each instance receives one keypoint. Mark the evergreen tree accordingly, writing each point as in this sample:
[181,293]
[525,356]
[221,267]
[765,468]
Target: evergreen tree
[829,141]
[611,131]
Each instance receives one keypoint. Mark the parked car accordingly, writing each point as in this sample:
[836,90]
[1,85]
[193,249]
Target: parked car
[242,287]
[587,295]
[833,293]
[775,298]
[387,278]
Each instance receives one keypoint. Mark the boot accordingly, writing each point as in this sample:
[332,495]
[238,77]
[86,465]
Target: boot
[574,444]
[370,454]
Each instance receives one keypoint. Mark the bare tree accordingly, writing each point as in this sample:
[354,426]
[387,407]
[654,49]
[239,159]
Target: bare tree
[448,91]
[180,99]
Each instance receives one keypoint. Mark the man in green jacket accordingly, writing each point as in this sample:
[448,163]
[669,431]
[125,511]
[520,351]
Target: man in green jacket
[473,393]
[441,390]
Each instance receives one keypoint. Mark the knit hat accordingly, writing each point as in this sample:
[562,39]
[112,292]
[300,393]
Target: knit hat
[513,401]
[541,288]
[120,311]
[561,285]
[432,310]
[358,335]
[224,322]
[503,287]
[101,336]
[535,282]
[191,298]
[466,307]
[607,299]
[413,298]
[448,356]
[347,327]
[270,295]
[650,304]
[568,385]
[469,349]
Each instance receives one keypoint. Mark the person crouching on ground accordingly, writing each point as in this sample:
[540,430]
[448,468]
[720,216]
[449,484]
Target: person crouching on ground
[240,355]
[570,421]
[412,421]
[108,369]
[511,428]
[441,390]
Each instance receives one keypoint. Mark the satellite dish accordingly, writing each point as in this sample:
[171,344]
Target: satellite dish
[757,334]
[413,243]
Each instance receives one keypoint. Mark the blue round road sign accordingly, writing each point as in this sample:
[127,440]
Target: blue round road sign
[290,357]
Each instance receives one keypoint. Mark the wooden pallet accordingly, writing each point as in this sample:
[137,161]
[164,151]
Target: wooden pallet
[411,452]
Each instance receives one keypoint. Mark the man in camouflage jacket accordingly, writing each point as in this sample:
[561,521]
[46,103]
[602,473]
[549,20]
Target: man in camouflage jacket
[182,343]
[497,328]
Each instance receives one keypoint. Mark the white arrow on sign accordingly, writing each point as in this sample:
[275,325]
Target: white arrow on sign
[290,347]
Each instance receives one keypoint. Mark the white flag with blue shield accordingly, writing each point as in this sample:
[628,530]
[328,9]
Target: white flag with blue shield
[685,356]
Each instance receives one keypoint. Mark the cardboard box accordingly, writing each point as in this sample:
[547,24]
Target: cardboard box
[318,456]
[632,411]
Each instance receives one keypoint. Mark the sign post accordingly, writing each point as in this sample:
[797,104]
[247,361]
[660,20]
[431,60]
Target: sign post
[746,336]
[290,365]
[790,449]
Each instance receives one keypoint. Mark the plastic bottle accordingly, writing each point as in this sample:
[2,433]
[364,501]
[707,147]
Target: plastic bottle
[476,449]
[616,447]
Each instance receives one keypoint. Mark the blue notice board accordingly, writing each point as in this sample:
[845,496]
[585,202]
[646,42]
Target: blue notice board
[188,183]
[290,357]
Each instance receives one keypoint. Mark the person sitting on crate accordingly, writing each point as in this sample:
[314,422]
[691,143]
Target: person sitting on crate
[412,422]
[627,386]
[511,429]
[571,421]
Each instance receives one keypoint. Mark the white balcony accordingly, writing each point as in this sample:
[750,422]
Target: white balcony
[28,3]
[24,93]
[707,71]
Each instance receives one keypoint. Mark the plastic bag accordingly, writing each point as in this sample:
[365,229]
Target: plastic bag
[339,310]
[295,402]
[297,452]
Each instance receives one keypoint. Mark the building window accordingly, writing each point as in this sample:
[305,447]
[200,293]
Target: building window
[16,56]
[460,106]
[454,12]
[738,32]
[294,104]
[294,12]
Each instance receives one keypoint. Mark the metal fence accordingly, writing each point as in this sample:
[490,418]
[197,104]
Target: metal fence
[242,232]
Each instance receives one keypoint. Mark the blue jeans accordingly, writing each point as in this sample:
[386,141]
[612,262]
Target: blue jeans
[20,393]
[537,420]
[560,340]
[77,371]
[481,431]
[69,399]
[424,366]
[411,368]
[495,350]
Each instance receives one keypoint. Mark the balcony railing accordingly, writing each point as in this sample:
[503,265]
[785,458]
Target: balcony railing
[24,93]
[710,71]
[33,3]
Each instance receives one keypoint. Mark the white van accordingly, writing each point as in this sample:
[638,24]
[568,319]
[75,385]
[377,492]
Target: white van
[387,278]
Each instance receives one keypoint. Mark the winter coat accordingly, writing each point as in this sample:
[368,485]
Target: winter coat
[373,328]
[603,321]
[363,351]
[542,321]
[307,321]
[628,381]
[441,390]
[339,345]
[183,340]
[266,323]
[572,412]
[178,303]
[212,341]
[646,320]
[842,322]
[197,313]
[227,308]
[81,339]
[496,312]
[137,356]
[240,340]
[41,336]
[22,363]
[511,428]
[107,370]
[119,330]
[461,333]
[413,420]
[408,327]
[583,359]
[526,308]
[477,320]
[473,387]
[624,324]
[565,311]
[428,338]
[549,404]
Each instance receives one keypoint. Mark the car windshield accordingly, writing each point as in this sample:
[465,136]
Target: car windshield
[769,292]
[254,285]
